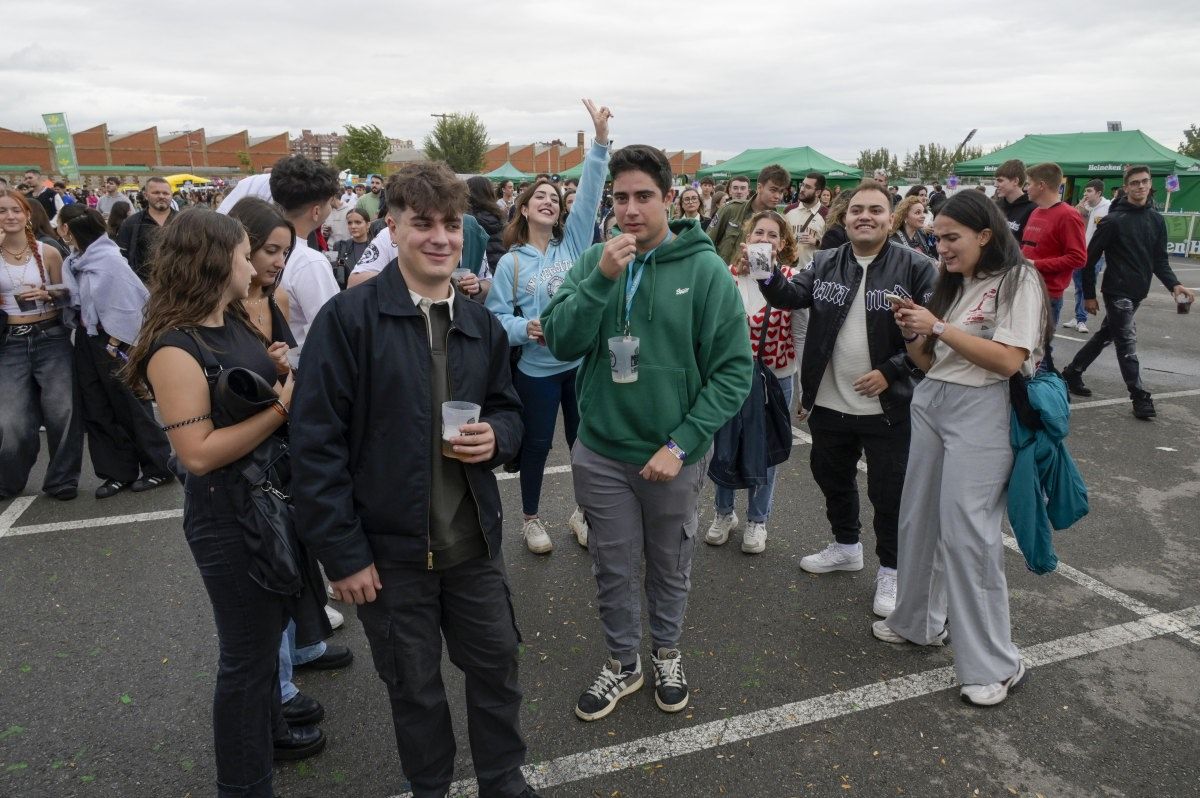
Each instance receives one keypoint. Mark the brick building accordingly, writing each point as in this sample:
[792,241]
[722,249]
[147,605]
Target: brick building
[555,156]
[137,155]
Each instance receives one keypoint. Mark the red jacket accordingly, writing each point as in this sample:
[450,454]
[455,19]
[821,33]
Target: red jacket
[1053,239]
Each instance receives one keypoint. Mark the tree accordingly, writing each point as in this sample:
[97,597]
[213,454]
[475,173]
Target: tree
[1190,146]
[933,162]
[460,141]
[870,160]
[244,159]
[364,150]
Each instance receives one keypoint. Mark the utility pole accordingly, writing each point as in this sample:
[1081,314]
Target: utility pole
[442,117]
[191,160]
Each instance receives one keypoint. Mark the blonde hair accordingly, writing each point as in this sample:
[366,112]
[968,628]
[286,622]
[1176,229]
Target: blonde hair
[787,238]
[901,212]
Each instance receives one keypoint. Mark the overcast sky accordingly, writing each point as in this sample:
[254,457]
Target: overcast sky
[712,76]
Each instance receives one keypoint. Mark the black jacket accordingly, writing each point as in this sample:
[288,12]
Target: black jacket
[1133,241]
[491,224]
[136,238]
[362,418]
[829,286]
[1017,213]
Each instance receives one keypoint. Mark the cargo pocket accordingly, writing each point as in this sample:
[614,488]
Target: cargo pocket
[378,628]
[511,612]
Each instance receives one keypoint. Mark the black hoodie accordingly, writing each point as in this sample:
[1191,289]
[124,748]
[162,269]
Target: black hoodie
[1133,241]
[1017,213]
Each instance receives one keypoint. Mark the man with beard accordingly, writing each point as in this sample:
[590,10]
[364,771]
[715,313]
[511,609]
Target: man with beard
[807,218]
[856,379]
[371,201]
[137,233]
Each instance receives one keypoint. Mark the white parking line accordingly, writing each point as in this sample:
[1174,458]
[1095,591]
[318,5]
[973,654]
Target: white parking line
[705,736]
[1108,402]
[1069,338]
[89,523]
[13,512]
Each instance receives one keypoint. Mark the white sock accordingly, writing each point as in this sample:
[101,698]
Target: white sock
[883,569]
[849,548]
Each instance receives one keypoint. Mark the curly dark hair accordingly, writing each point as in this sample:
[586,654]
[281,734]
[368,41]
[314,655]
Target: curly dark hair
[297,181]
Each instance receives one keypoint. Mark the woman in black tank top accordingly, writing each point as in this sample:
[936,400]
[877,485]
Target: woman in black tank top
[201,272]
[272,238]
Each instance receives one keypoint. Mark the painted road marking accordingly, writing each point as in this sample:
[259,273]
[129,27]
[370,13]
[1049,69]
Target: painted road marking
[1109,402]
[1069,338]
[88,523]
[705,736]
[13,512]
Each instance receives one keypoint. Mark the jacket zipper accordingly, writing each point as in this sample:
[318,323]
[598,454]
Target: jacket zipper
[470,489]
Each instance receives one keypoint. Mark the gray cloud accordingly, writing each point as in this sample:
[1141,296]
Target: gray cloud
[713,76]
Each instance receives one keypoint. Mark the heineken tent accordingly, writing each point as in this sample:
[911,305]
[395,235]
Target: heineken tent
[574,173]
[507,172]
[1084,156]
[799,161]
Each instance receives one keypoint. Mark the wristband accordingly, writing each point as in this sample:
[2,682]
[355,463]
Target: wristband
[280,408]
[674,449]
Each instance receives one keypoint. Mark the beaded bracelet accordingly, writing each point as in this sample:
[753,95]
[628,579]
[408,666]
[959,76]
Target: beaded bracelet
[179,424]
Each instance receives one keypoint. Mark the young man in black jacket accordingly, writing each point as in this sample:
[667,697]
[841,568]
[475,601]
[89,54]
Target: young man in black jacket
[1132,239]
[857,380]
[1011,197]
[415,542]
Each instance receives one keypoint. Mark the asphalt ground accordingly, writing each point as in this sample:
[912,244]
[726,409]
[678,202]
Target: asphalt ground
[107,650]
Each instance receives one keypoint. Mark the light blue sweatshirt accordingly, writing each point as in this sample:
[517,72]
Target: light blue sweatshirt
[540,274]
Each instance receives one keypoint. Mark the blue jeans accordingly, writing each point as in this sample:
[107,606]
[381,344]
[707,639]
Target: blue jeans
[1077,278]
[290,657]
[1047,363]
[540,399]
[761,499]
[37,388]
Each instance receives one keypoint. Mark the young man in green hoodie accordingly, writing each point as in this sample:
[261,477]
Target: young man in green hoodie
[642,449]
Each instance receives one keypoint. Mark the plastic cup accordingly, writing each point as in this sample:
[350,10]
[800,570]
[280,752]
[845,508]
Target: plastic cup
[60,295]
[623,358]
[293,357]
[761,258]
[1182,303]
[25,305]
[454,416]
[458,275]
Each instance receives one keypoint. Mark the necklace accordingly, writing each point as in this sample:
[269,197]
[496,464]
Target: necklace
[21,255]
[259,305]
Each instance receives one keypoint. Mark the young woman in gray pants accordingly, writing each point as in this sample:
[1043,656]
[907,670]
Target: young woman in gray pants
[986,320]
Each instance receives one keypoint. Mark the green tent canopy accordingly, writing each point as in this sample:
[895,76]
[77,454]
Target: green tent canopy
[799,161]
[574,173]
[507,172]
[1084,156]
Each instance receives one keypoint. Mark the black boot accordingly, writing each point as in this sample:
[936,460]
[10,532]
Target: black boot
[1143,405]
[300,742]
[1074,380]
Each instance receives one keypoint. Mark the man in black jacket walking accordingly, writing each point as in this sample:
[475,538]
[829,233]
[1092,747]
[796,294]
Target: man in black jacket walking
[137,233]
[1132,239]
[857,380]
[415,541]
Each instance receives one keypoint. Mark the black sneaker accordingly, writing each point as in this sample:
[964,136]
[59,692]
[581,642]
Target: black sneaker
[111,487]
[1074,380]
[1143,406]
[610,686]
[670,685]
[150,483]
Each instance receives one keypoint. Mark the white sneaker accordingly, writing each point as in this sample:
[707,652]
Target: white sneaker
[884,632]
[329,592]
[535,536]
[885,592]
[579,526]
[988,695]
[1081,327]
[722,525]
[834,557]
[1068,324]
[755,539]
[335,618]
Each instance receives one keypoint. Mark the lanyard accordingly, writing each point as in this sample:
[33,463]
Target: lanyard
[634,281]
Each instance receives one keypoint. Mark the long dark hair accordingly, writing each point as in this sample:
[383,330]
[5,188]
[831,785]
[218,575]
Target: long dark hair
[86,224]
[517,231]
[119,213]
[190,267]
[481,196]
[1000,255]
[260,218]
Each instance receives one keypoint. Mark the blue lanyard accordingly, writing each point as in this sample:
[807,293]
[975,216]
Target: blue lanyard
[634,281]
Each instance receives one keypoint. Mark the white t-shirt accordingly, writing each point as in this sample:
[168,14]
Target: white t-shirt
[253,186]
[976,312]
[308,281]
[851,359]
[1098,213]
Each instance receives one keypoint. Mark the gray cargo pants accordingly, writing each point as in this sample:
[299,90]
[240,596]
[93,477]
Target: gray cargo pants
[630,518]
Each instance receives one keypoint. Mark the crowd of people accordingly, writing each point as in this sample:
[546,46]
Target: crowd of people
[301,336]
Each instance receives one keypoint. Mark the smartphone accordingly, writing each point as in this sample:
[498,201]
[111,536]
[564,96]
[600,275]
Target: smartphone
[895,299]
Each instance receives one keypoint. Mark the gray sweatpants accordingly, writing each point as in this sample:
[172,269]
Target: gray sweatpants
[630,518]
[951,554]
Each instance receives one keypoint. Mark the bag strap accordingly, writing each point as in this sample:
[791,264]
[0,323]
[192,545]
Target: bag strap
[516,272]
[208,362]
[762,334]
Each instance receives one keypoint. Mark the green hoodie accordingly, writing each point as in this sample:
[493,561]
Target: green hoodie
[694,362]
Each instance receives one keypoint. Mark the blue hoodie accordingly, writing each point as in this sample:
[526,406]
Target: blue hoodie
[541,274]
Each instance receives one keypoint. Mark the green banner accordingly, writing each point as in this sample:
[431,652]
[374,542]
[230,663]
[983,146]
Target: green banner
[1183,234]
[65,162]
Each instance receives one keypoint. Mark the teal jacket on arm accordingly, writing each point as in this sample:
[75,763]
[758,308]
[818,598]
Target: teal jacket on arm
[1045,488]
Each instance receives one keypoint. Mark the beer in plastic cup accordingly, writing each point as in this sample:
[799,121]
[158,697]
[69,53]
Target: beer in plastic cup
[623,358]
[60,295]
[457,277]
[1182,303]
[454,415]
[761,257]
